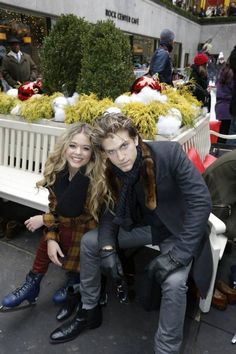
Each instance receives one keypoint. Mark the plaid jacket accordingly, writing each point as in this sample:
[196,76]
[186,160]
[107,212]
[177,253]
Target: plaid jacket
[77,225]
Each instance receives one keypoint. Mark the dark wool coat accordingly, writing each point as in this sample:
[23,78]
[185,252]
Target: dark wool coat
[200,86]
[232,61]
[220,178]
[22,71]
[223,98]
[71,200]
[178,196]
[161,64]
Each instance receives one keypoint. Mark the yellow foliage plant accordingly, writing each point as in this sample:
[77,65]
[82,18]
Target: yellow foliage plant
[87,109]
[143,116]
[7,103]
[38,107]
[185,102]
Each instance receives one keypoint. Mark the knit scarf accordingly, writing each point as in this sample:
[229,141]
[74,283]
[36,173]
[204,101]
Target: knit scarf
[71,195]
[126,205]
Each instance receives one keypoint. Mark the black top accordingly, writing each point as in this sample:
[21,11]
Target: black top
[71,195]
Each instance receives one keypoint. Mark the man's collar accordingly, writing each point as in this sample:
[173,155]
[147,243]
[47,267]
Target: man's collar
[13,54]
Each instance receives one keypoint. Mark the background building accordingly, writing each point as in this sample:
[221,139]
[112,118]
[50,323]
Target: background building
[141,20]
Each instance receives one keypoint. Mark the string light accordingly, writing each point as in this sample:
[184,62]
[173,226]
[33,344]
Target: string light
[35,26]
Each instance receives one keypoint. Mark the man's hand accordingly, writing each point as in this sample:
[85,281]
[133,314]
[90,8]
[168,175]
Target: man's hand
[17,85]
[110,264]
[162,266]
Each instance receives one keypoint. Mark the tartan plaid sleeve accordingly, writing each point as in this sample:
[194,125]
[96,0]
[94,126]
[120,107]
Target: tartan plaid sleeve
[51,231]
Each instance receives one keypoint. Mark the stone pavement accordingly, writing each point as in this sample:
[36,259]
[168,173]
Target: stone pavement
[126,329]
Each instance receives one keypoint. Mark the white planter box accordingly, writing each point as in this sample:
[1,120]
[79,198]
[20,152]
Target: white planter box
[198,136]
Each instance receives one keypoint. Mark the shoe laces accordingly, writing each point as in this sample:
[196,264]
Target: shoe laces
[17,292]
[22,288]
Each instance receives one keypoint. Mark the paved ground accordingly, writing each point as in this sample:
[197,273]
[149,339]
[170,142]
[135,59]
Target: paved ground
[126,329]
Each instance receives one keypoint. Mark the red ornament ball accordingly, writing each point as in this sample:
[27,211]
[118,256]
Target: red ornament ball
[143,81]
[28,89]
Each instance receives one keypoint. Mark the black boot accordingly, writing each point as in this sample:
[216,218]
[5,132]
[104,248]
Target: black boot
[73,300]
[85,319]
[103,296]
[13,228]
[3,223]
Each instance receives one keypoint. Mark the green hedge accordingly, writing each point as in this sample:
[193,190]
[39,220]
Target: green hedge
[106,66]
[61,54]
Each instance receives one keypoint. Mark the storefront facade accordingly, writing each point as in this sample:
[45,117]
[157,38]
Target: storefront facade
[141,20]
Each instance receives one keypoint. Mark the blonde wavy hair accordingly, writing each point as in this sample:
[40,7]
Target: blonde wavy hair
[97,193]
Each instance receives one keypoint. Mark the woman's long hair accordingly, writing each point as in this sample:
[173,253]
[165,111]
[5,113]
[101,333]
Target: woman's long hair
[56,162]
[226,74]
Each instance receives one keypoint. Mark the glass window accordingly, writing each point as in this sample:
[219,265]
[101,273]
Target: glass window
[176,55]
[29,29]
[143,48]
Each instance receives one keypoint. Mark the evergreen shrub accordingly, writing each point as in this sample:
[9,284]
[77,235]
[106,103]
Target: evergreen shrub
[106,66]
[62,52]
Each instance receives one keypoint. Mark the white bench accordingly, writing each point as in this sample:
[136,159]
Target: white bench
[24,148]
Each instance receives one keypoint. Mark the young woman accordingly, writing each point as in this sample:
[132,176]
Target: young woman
[74,198]
[224,91]
[200,77]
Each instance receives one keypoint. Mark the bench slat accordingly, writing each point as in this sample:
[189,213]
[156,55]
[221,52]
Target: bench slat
[24,150]
[6,146]
[18,149]
[37,153]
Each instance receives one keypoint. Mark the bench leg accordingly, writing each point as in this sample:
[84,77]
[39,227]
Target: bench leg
[205,304]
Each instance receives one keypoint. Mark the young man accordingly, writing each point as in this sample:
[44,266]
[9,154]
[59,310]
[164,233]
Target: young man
[160,198]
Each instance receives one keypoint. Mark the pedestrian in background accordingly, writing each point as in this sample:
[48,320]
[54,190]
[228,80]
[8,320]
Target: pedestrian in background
[220,63]
[161,60]
[232,129]
[224,91]
[18,67]
[200,77]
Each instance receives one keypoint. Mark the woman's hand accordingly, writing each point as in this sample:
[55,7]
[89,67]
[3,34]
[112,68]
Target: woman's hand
[34,223]
[53,251]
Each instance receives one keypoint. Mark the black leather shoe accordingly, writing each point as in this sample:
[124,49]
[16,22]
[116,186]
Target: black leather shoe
[73,302]
[85,319]
[13,228]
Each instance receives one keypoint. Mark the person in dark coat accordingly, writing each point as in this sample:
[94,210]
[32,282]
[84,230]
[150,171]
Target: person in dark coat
[220,64]
[161,61]
[18,67]
[232,129]
[220,178]
[200,77]
[224,91]
[160,198]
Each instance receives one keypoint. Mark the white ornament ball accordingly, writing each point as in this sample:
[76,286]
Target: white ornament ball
[112,110]
[59,115]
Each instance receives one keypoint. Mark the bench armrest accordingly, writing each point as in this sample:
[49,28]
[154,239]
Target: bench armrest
[224,136]
[217,224]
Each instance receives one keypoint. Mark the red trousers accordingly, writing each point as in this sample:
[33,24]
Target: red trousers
[42,261]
